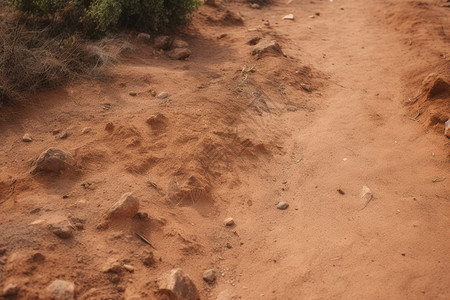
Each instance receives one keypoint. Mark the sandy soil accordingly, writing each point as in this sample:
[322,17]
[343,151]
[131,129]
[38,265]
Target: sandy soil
[338,111]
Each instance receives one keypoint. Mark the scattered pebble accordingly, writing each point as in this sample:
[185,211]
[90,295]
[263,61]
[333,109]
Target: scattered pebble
[209,276]
[61,290]
[288,17]
[282,205]
[86,130]
[126,207]
[113,267]
[64,135]
[62,229]
[255,6]
[129,268]
[148,258]
[132,94]
[11,290]
[229,222]
[366,193]
[163,95]
[27,138]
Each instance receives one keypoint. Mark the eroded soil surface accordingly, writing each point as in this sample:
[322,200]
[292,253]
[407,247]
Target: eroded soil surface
[358,96]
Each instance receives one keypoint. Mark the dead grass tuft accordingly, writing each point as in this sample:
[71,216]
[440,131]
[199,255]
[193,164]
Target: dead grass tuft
[34,59]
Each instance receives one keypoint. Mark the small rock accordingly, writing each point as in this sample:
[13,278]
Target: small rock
[126,207]
[114,278]
[53,160]
[177,286]
[292,108]
[148,258]
[143,38]
[255,6]
[113,267]
[228,222]
[61,290]
[209,276]
[179,53]
[162,42]
[267,46]
[163,95]
[282,205]
[366,194]
[447,129]
[62,229]
[129,268]
[86,130]
[288,17]
[11,290]
[27,138]
[64,135]
[179,44]
[132,94]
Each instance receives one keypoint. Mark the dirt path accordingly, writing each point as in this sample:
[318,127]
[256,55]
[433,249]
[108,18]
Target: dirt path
[331,247]
[239,135]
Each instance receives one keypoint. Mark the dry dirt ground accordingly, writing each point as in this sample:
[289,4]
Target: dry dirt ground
[345,107]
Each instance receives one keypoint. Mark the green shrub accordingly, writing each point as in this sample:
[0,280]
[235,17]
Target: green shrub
[110,15]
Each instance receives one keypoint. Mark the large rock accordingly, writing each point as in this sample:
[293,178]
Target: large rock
[53,160]
[126,207]
[61,290]
[177,286]
[266,46]
[179,53]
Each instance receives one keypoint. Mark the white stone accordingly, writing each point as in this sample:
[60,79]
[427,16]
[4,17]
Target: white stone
[288,17]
